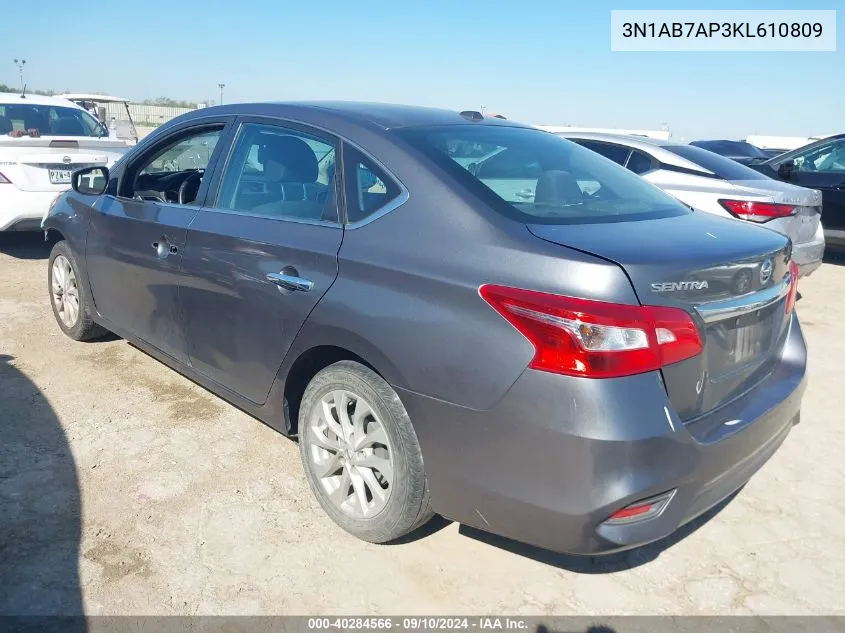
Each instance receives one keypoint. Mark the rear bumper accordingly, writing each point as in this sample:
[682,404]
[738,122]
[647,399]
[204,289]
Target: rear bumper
[23,210]
[808,255]
[558,455]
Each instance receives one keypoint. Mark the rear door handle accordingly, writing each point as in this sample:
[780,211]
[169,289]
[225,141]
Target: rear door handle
[290,282]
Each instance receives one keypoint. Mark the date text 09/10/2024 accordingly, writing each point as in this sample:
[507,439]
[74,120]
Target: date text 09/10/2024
[418,624]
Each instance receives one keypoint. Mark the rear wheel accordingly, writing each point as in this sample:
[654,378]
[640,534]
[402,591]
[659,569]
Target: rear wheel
[361,454]
[70,303]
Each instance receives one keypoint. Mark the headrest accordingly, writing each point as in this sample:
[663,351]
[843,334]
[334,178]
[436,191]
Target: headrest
[557,187]
[298,158]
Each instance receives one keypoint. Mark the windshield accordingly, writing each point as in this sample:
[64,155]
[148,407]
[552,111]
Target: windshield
[48,120]
[732,148]
[724,168]
[538,177]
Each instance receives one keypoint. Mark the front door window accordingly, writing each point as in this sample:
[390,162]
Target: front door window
[172,172]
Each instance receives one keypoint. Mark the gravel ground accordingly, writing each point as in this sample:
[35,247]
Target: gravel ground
[127,489]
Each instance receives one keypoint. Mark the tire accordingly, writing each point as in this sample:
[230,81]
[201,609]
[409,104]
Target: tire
[82,327]
[388,438]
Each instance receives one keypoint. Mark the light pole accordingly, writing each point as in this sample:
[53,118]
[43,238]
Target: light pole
[20,63]
[221,86]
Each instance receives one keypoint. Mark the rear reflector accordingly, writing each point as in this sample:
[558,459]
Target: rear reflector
[757,211]
[792,297]
[4,180]
[641,510]
[595,339]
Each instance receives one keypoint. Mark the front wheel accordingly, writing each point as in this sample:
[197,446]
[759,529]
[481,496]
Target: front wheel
[361,454]
[71,304]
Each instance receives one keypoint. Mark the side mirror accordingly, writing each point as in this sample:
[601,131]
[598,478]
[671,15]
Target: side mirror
[90,181]
[785,169]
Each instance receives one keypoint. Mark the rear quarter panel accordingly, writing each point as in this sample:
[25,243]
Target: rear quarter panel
[408,284]
[697,192]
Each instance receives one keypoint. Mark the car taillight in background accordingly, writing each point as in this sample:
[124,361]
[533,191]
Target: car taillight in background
[757,211]
[4,180]
[595,339]
[792,297]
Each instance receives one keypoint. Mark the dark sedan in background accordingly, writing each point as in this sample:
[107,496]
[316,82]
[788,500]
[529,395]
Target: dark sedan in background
[740,151]
[585,370]
[819,165]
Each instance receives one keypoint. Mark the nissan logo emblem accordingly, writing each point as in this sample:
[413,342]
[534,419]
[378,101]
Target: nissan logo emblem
[766,271]
[66,160]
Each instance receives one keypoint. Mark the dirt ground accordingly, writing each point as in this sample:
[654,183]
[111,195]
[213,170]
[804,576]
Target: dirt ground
[127,489]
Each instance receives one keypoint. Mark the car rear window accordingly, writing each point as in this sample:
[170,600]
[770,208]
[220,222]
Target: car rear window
[724,168]
[538,177]
[49,120]
[731,148]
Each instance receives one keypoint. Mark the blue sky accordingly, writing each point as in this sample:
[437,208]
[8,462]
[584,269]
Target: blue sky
[536,61]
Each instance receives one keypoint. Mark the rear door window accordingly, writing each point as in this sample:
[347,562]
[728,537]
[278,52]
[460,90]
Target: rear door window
[640,162]
[369,189]
[616,153]
[277,172]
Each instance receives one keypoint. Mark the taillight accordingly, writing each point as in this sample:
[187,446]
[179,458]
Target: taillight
[596,339]
[792,297]
[4,180]
[757,211]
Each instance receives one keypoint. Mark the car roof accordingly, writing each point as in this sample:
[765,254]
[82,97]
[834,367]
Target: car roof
[719,140]
[642,142]
[383,115]
[14,98]
[79,96]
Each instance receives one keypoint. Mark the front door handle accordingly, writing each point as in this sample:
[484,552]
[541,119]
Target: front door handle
[163,248]
[290,282]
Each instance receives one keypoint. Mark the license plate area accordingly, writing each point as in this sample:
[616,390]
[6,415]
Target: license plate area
[60,176]
[750,339]
[739,341]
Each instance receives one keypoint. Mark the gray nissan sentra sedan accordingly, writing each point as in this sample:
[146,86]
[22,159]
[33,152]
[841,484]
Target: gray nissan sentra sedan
[585,371]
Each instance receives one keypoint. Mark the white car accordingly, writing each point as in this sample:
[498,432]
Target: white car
[42,141]
[709,182]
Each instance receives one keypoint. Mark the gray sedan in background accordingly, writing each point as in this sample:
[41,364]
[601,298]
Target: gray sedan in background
[585,369]
[709,182]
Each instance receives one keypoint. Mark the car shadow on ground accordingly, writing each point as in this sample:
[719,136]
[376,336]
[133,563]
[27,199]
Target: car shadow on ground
[39,510]
[606,564]
[25,245]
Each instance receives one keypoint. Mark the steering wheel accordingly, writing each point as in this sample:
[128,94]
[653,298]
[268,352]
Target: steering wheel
[151,196]
[183,188]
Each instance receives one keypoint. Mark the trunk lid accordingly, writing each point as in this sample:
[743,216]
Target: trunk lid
[731,275]
[46,163]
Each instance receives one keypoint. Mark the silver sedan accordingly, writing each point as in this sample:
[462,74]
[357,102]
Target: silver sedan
[709,182]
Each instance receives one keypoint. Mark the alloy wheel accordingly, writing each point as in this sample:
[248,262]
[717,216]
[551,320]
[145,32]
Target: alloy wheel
[350,454]
[65,291]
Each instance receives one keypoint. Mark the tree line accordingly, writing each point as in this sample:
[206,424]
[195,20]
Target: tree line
[158,101]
